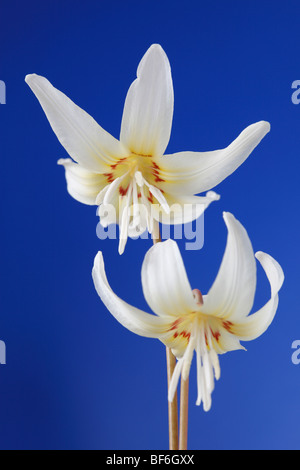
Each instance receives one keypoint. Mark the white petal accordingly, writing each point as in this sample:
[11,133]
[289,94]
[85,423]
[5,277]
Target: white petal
[195,172]
[82,184]
[165,283]
[257,323]
[183,209]
[148,110]
[232,294]
[132,318]
[227,342]
[85,141]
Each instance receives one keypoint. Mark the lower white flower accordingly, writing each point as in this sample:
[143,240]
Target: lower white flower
[185,321]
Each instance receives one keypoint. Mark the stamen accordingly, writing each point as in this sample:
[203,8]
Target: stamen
[139,178]
[199,370]
[205,380]
[158,195]
[208,372]
[215,363]
[188,357]
[138,224]
[212,353]
[125,221]
[101,194]
[108,196]
[147,207]
[175,379]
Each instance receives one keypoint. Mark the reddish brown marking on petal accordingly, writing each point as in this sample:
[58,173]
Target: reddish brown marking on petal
[183,334]
[186,335]
[158,179]
[216,334]
[227,325]
[140,154]
[109,177]
[121,160]
[150,198]
[139,195]
[123,191]
[156,172]
[174,325]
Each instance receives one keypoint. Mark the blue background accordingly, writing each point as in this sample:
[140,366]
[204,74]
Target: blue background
[75,378]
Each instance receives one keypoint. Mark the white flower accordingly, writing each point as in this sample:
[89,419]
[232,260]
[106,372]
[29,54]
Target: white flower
[134,170]
[184,321]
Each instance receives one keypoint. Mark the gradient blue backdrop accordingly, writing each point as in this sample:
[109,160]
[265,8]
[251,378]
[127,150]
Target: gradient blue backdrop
[76,379]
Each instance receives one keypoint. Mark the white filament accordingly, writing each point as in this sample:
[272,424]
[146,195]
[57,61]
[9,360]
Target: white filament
[207,365]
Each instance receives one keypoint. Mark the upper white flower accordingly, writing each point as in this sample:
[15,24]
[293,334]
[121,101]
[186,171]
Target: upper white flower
[132,173]
[185,321]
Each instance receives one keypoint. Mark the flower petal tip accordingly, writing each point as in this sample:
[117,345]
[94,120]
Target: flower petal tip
[121,247]
[64,161]
[228,216]
[269,263]
[213,196]
[266,125]
[29,77]
[98,259]
[262,127]
[156,48]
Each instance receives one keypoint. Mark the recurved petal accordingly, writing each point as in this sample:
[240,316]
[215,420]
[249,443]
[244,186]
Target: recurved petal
[135,320]
[195,172]
[256,324]
[232,294]
[148,110]
[183,209]
[82,184]
[165,284]
[84,140]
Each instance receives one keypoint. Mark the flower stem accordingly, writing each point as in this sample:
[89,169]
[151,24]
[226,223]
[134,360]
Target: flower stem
[171,362]
[184,408]
[172,406]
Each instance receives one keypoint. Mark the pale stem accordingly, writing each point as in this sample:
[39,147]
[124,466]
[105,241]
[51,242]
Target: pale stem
[171,362]
[184,395]
[184,408]
[172,405]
